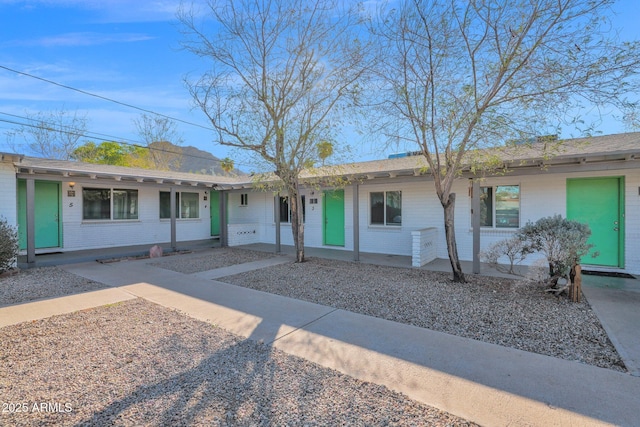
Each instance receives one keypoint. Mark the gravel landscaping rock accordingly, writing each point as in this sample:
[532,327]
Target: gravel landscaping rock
[216,258]
[44,282]
[494,310]
[136,363]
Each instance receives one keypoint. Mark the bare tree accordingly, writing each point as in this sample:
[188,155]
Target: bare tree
[460,76]
[161,136]
[52,135]
[281,73]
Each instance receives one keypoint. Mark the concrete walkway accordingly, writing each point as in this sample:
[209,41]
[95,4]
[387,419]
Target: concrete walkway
[485,383]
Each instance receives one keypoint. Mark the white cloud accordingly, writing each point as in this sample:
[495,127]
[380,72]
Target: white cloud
[79,39]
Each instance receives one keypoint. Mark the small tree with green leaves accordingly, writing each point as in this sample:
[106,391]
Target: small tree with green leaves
[8,245]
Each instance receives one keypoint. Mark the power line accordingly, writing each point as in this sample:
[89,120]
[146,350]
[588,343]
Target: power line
[97,136]
[116,102]
[84,92]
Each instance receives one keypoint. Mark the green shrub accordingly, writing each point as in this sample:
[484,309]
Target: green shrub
[8,245]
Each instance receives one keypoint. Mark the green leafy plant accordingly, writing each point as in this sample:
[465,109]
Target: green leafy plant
[8,245]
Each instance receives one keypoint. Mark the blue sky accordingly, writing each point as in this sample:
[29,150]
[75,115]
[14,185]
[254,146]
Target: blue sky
[129,51]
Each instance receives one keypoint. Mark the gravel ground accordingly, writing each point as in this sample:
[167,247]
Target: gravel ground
[136,363]
[217,258]
[494,310]
[45,282]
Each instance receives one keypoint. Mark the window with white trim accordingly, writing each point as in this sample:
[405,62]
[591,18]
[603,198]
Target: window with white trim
[285,211]
[109,204]
[187,205]
[500,206]
[244,199]
[386,208]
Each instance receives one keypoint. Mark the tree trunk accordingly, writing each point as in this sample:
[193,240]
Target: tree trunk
[450,234]
[297,223]
[575,290]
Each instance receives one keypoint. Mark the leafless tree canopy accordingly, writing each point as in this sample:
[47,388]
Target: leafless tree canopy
[160,135]
[281,74]
[53,135]
[455,76]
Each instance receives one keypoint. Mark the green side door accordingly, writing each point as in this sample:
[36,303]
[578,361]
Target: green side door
[599,202]
[47,214]
[215,213]
[333,214]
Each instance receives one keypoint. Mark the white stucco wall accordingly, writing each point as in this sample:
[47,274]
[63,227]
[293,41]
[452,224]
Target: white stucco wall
[541,195]
[147,229]
[8,193]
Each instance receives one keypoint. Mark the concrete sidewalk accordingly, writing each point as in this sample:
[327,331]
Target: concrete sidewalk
[485,383]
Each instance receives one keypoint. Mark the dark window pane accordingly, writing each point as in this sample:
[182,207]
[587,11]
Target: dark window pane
[394,207]
[165,205]
[377,208]
[125,204]
[96,203]
[486,207]
[284,209]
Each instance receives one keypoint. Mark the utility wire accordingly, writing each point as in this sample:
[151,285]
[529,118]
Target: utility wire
[121,140]
[100,137]
[84,92]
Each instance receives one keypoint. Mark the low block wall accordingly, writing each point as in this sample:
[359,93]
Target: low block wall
[424,249]
[243,234]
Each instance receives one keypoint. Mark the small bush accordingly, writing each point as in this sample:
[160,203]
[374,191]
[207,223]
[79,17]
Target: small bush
[8,245]
[514,249]
[562,241]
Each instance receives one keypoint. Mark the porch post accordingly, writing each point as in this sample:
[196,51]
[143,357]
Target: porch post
[31,222]
[172,204]
[475,224]
[356,222]
[276,218]
[224,235]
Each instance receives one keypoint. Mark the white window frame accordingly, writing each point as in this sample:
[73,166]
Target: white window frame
[386,222]
[132,216]
[179,205]
[285,200]
[494,209]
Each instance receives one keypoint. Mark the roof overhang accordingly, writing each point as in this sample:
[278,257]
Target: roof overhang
[11,157]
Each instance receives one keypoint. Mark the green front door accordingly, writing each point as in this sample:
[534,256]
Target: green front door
[334,218]
[599,202]
[46,211]
[215,213]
